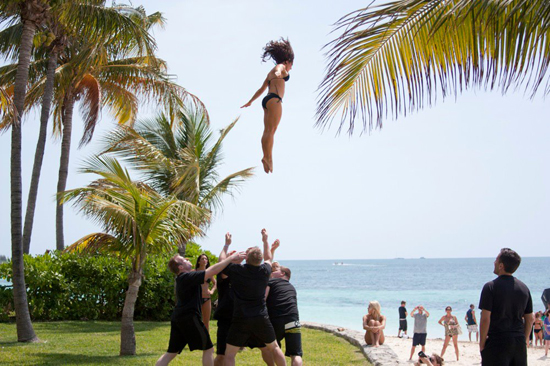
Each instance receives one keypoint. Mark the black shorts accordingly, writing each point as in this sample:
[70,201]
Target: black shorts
[188,331]
[505,352]
[290,331]
[419,339]
[243,330]
[221,338]
[402,325]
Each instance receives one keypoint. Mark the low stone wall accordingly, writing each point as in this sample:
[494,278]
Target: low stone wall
[378,356]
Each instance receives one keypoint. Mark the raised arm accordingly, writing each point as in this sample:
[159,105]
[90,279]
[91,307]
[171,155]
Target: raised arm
[220,266]
[267,253]
[427,314]
[274,247]
[414,310]
[225,248]
[280,71]
[257,94]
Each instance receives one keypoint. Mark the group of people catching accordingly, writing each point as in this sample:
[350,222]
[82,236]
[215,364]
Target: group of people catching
[257,307]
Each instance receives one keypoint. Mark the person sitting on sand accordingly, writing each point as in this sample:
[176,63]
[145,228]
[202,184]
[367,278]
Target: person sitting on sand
[433,360]
[374,323]
[281,52]
[450,323]
[420,316]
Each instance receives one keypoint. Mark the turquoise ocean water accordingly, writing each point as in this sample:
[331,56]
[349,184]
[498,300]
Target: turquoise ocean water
[339,294]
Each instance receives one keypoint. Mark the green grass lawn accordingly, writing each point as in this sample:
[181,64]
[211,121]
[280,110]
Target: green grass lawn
[97,343]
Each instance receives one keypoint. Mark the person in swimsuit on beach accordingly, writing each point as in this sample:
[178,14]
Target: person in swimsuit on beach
[538,325]
[450,323]
[374,323]
[282,54]
[202,264]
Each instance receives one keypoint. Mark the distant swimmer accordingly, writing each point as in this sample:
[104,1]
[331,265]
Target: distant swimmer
[282,54]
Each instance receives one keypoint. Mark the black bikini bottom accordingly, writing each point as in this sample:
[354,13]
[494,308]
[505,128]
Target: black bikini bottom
[268,97]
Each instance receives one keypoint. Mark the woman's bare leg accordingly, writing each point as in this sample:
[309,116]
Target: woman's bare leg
[455,342]
[206,310]
[272,117]
[445,344]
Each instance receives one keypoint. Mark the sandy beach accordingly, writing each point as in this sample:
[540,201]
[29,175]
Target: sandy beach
[469,352]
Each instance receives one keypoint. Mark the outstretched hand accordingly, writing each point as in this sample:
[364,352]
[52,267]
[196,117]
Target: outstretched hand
[264,235]
[227,239]
[237,257]
[275,245]
[247,105]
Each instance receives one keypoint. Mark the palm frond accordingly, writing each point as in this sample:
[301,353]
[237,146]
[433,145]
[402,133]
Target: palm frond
[397,57]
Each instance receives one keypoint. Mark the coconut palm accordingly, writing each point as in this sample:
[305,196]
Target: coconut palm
[31,14]
[397,57]
[179,157]
[137,221]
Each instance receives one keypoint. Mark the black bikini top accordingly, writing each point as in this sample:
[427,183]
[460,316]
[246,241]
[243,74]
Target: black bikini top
[287,78]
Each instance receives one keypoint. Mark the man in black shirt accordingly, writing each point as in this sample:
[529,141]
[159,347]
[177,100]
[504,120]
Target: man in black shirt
[250,317]
[282,306]
[506,315]
[224,310]
[402,319]
[187,327]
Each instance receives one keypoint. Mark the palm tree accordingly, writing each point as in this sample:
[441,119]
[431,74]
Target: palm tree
[121,26]
[397,57]
[137,221]
[32,13]
[179,157]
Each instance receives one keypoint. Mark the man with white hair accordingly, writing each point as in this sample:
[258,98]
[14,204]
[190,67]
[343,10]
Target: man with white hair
[187,327]
[250,317]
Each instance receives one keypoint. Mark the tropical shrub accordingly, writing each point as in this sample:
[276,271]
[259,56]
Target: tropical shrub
[70,286]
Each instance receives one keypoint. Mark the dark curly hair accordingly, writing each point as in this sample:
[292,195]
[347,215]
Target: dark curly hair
[279,51]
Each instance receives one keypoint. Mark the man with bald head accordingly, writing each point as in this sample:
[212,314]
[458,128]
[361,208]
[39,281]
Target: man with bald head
[187,327]
[250,321]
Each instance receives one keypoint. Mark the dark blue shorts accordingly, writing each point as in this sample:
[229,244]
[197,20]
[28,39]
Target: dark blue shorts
[419,339]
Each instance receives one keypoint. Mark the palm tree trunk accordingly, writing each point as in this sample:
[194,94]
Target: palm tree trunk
[182,248]
[25,331]
[40,148]
[68,105]
[127,333]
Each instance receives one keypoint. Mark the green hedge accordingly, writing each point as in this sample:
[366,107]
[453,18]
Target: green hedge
[68,286]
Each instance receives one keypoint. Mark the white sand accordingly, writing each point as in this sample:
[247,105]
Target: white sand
[469,352]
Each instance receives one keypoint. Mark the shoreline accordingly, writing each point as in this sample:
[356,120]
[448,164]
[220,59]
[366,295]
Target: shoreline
[468,352]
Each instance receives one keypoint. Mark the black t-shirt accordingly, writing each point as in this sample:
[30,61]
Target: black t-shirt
[282,300]
[508,299]
[402,312]
[188,291]
[248,284]
[224,310]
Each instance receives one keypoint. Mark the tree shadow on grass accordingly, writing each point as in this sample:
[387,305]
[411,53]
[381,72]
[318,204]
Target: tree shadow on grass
[98,326]
[53,358]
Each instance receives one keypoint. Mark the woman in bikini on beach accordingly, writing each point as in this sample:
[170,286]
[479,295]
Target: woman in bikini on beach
[202,264]
[374,323]
[282,54]
[450,323]
[537,326]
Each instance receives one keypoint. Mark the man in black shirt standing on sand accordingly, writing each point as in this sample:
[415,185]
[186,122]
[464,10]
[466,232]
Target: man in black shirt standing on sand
[282,306]
[506,315]
[187,327]
[250,317]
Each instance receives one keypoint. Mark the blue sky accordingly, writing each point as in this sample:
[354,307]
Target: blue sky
[461,179]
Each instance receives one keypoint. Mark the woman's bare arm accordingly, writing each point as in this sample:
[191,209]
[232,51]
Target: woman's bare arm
[257,94]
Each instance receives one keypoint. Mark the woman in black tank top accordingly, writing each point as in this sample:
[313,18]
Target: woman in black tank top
[282,54]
